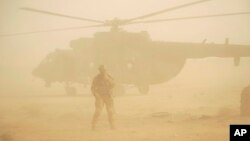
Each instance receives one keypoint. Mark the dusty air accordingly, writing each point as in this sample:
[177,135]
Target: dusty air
[123,70]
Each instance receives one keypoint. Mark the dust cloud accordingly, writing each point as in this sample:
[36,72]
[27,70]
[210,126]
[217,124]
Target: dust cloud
[176,80]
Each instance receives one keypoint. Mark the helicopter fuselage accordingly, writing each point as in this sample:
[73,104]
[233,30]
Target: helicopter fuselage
[131,58]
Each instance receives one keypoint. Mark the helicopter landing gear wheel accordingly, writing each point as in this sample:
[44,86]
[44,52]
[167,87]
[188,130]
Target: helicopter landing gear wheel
[143,89]
[119,90]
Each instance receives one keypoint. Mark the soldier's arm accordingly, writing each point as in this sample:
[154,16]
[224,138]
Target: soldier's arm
[111,81]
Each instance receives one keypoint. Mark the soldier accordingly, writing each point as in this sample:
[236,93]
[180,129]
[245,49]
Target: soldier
[101,88]
[245,101]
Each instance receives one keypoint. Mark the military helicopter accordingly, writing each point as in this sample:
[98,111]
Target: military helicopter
[131,57]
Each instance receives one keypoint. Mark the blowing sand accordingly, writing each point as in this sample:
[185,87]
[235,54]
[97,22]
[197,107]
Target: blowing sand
[152,117]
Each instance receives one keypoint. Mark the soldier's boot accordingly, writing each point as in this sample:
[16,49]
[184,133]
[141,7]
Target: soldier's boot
[93,127]
[98,110]
[95,120]
[112,125]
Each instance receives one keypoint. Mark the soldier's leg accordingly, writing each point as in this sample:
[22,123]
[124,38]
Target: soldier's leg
[99,103]
[110,109]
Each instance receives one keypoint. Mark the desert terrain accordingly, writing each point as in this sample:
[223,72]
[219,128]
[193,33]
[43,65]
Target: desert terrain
[171,114]
[197,104]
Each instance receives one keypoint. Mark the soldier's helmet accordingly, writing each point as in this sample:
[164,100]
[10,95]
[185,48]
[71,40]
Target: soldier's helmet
[102,69]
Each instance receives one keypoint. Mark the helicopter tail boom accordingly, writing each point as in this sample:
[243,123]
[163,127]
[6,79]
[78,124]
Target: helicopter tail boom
[205,50]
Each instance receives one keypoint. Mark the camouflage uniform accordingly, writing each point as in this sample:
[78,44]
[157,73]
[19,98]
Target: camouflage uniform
[101,88]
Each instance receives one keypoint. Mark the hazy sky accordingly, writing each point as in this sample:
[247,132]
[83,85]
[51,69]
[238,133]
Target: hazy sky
[20,54]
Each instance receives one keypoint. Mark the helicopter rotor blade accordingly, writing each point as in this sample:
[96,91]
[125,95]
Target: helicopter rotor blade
[165,10]
[191,17]
[61,15]
[51,30]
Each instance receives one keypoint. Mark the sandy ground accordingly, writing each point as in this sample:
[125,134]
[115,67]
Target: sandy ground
[152,117]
